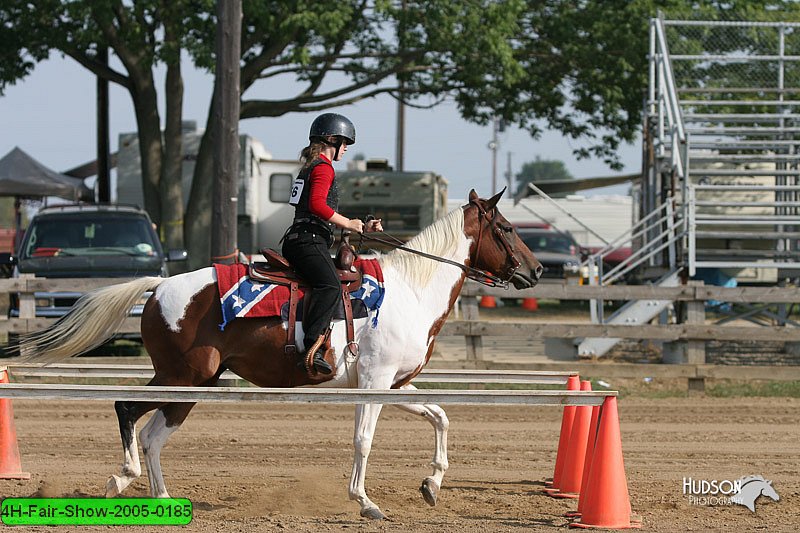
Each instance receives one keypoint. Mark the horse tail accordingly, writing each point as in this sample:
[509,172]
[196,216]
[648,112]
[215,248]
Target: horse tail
[94,319]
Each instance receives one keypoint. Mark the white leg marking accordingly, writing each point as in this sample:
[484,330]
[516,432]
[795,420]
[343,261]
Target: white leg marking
[438,419]
[131,469]
[154,434]
[366,420]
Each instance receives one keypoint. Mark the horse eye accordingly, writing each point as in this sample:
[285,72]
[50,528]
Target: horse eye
[507,229]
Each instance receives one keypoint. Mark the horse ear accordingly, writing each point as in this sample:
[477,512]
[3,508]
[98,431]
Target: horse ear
[473,196]
[492,202]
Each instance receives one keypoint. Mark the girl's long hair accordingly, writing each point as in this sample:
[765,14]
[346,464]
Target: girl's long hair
[311,152]
[314,148]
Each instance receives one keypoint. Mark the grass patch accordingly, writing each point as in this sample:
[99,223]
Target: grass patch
[767,389]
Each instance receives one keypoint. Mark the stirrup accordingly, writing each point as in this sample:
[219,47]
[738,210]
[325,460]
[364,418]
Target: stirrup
[314,359]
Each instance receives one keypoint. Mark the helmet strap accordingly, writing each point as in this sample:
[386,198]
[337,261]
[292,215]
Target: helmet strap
[337,145]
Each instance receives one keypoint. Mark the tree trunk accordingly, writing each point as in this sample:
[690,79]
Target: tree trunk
[171,185]
[197,231]
[226,145]
[150,146]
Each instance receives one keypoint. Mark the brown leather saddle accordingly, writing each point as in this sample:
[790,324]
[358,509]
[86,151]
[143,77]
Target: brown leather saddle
[277,270]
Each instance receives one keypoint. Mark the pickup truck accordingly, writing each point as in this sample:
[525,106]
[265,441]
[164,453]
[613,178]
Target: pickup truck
[87,241]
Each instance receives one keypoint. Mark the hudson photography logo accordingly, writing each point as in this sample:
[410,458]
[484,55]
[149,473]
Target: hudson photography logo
[743,491]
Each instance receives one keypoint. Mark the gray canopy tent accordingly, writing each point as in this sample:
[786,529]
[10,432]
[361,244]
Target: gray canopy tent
[22,177]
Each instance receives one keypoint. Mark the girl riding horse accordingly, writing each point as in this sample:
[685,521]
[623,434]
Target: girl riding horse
[181,334]
[315,197]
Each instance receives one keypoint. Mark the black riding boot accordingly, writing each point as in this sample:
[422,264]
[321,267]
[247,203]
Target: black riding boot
[318,361]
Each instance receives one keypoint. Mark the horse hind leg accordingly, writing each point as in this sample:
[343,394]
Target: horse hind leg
[161,425]
[438,419]
[154,435]
[127,415]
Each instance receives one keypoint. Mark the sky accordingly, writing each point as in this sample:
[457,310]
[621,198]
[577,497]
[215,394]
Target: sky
[51,115]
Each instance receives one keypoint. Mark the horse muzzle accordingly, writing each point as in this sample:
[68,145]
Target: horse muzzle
[522,281]
[526,278]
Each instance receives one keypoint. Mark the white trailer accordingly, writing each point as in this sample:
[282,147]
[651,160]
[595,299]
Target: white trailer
[264,184]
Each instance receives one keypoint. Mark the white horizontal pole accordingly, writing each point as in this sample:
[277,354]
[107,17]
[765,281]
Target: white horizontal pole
[301,395]
[115,371]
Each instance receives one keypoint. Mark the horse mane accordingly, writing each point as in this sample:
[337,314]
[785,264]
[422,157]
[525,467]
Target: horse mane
[440,238]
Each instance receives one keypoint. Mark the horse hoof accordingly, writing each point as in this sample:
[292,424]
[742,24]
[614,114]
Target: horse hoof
[430,491]
[373,513]
[112,487]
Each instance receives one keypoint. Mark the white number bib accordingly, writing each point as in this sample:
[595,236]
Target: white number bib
[297,191]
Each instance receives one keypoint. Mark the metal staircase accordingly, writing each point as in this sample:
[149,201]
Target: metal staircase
[721,187]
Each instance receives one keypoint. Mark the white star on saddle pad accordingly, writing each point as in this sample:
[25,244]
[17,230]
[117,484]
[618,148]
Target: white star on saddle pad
[368,288]
[237,301]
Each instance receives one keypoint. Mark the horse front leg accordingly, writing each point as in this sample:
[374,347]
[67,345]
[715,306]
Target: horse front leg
[366,420]
[438,419]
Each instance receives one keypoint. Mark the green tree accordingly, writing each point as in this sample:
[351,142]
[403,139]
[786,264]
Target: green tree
[577,67]
[541,170]
[141,34]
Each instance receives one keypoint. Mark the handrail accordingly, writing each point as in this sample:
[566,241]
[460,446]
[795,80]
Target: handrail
[619,241]
[671,93]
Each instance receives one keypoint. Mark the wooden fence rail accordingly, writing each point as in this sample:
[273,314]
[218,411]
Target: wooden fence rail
[684,293]
[473,330]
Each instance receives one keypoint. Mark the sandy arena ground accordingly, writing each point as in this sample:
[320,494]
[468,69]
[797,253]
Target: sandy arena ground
[286,468]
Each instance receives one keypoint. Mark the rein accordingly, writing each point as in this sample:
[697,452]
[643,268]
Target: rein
[481,276]
[476,274]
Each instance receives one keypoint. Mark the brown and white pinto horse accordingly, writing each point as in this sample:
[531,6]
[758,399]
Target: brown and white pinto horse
[180,330]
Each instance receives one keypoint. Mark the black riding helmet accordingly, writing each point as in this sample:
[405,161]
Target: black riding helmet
[332,124]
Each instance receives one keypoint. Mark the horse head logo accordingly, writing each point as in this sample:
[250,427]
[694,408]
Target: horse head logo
[752,488]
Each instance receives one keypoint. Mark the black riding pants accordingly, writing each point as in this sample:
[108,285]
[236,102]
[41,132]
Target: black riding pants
[308,254]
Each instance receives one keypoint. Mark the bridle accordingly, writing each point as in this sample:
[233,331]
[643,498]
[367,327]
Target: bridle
[500,233]
[475,274]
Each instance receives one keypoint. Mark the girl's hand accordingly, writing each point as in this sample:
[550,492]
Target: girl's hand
[355,224]
[374,225]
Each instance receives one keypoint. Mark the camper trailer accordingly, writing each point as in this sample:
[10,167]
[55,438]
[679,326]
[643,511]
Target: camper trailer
[264,186]
[407,202]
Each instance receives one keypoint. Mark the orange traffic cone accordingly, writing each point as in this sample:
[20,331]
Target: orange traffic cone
[530,304]
[572,472]
[10,467]
[488,301]
[587,462]
[607,503]
[573,383]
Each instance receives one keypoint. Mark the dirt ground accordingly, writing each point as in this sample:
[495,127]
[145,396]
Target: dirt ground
[286,468]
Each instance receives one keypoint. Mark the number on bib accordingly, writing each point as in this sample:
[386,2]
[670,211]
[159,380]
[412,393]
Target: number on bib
[297,191]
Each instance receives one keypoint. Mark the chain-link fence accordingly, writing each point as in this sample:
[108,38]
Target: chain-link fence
[735,60]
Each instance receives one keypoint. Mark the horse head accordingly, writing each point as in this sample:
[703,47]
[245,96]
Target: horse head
[496,246]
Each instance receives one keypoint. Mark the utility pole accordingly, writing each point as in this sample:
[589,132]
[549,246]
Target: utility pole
[401,106]
[226,145]
[493,146]
[509,177]
[401,131]
[103,166]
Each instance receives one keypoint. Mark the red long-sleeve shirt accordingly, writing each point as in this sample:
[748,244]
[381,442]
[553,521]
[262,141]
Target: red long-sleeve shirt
[320,180]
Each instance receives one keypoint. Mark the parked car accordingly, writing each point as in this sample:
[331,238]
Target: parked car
[87,241]
[557,251]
